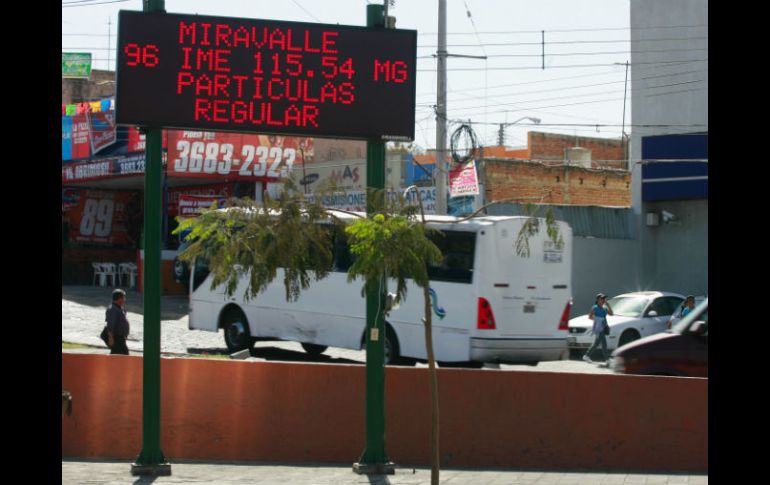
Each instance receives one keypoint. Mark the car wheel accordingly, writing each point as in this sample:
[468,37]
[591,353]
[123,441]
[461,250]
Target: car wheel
[628,336]
[236,327]
[314,349]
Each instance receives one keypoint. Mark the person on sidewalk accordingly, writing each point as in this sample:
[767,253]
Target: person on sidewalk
[601,328]
[117,323]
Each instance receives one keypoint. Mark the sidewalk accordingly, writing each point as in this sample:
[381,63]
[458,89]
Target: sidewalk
[119,472]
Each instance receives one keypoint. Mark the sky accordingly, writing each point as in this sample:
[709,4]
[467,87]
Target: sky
[577,88]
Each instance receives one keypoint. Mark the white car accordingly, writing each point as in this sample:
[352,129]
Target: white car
[636,315]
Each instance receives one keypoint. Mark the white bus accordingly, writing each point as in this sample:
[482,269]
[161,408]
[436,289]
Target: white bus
[489,305]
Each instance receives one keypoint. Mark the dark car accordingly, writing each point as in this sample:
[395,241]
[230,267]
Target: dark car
[681,351]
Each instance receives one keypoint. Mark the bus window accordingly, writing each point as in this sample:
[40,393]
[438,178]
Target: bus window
[458,248]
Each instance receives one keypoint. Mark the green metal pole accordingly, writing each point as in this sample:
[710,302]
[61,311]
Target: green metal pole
[374,460]
[151,460]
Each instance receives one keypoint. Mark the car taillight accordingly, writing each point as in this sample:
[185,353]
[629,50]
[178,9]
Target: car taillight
[668,324]
[564,322]
[485,319]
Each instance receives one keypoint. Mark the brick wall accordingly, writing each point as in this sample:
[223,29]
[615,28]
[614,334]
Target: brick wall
[525,181]
[550,146]
[81,90]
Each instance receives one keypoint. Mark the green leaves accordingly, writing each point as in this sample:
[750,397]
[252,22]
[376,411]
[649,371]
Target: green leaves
[257,242]
[531,227]
[391,244]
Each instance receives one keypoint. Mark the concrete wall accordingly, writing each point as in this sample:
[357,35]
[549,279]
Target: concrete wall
[610,266]
[287,412]
[666,92]
[675,255]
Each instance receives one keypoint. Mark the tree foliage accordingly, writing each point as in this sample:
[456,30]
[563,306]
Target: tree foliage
[395,244]
[256,241]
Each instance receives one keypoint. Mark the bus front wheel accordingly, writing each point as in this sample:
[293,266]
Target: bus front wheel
[236,327]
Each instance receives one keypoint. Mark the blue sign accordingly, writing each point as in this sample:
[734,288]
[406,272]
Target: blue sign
[66,138]
[681,173]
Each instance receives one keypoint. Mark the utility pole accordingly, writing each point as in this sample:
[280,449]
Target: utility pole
[109,38]
[374,460]
[441,173]
[151,460]
[440,170]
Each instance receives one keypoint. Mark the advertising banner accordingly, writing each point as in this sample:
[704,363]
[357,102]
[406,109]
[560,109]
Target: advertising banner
[76,65]
[102,216]
[463,180]
[182,201]
[137,140]
[81,133]
[234,156]
[355,200]
[66,138]
[91,170]
[102,126]
[191,205]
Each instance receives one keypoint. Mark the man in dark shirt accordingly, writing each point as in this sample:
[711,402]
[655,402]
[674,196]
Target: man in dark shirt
[117,323]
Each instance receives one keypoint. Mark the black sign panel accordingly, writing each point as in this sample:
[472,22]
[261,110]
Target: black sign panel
[230,74]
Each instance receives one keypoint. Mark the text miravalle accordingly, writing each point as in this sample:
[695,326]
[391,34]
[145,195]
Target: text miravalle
[277,74]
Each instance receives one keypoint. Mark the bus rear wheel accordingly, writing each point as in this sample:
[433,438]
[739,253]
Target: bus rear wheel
[236,328]
[314,349]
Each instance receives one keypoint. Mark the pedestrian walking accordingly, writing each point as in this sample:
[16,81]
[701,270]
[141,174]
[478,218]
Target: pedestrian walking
[601,328]
[117,323]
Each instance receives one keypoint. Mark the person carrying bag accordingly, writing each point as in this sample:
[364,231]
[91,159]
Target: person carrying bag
[601,328]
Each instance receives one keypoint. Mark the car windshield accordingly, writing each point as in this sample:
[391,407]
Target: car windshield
[700,312]
[628,306]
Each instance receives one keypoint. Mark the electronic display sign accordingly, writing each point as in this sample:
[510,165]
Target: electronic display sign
[251,75]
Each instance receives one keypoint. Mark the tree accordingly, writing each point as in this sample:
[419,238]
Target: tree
[256,240]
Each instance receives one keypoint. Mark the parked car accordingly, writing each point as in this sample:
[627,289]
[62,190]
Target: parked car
[636,315]
[678,314]
[681,351]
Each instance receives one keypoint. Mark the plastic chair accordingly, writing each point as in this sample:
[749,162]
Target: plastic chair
[110,270]
[127,270]
[99,271]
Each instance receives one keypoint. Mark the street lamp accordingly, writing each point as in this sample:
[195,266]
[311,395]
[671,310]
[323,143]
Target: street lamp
[501,132]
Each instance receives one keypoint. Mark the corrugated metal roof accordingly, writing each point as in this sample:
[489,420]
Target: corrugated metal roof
[585,221]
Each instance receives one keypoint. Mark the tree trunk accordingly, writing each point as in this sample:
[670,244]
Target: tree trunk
[427,321]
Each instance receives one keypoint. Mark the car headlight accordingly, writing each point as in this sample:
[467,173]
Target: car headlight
[618,364]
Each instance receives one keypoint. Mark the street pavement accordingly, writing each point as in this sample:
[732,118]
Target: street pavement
[83,309]
[119,473]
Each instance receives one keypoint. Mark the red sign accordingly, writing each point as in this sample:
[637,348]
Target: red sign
[102,130]
[81,137]
[211,192]
[102,216]
[137,140]
[191,205]
[234,156]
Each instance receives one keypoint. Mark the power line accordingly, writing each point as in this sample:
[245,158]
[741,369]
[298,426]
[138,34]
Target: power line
[82,3]
[672,62]
[598,29]
[506,44]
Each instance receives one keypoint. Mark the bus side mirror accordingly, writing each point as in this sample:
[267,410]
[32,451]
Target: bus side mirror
[390,303]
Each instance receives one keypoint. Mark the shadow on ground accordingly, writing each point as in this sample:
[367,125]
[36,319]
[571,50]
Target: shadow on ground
[277,355]
[172,307]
